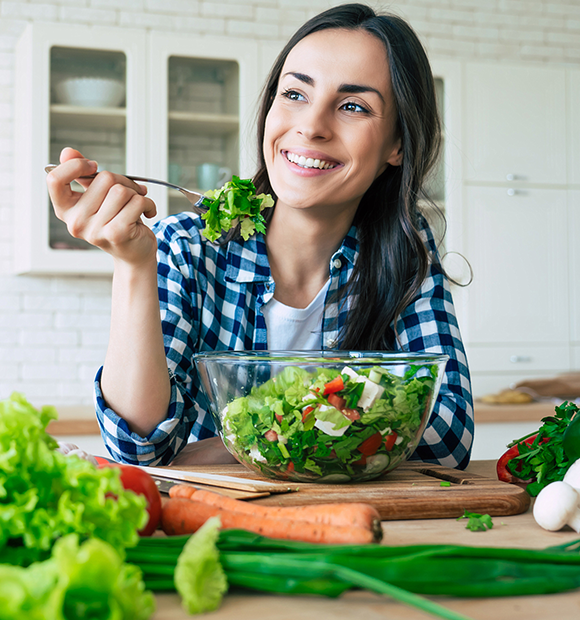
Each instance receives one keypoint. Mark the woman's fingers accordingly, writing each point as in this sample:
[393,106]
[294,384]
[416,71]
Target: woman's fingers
[115,221]
[58,182]
[108,213]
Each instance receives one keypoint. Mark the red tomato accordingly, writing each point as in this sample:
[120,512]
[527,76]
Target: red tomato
[278,417]
[390,441]
[337,401]
[140,482]
[369,446]
[290,468]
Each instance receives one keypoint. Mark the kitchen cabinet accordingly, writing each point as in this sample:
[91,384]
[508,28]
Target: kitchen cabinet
[520,161]
[205,112]
[573,89]
[183,101]
[574,280]
[518,249]
[515,124]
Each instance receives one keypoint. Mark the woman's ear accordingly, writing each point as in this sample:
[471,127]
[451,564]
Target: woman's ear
[396,156]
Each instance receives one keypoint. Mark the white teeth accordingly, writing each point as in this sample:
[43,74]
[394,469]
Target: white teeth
[308,162]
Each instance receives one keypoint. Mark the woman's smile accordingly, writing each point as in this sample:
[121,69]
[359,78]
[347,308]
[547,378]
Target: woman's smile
[331,130]
[309,161]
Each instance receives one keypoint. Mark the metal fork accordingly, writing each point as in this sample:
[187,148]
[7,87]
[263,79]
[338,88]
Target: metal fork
[195,198]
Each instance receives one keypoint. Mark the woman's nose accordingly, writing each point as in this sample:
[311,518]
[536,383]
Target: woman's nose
[315,122]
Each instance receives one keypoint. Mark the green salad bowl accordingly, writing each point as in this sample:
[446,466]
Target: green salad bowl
[320,416]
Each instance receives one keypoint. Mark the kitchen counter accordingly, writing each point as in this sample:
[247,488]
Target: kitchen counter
[514,531]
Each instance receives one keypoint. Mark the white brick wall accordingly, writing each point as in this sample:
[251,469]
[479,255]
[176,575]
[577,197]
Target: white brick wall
[54,331]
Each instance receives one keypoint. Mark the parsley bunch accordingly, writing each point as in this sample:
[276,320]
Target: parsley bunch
[546,459]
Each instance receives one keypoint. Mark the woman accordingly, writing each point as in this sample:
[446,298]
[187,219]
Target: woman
[348,131]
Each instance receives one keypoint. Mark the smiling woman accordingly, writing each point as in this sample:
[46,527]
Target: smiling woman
[347,132]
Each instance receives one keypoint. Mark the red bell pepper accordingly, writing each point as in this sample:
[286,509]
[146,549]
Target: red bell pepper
[503,473]
[333,386]
[306,412]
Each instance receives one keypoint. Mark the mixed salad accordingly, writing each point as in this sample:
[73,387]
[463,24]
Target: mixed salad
[235,203]
[329,424]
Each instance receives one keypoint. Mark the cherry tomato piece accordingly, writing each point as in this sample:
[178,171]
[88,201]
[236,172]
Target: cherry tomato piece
[369,446]
[337,401]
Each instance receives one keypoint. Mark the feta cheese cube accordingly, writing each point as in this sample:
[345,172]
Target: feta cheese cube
[328,428]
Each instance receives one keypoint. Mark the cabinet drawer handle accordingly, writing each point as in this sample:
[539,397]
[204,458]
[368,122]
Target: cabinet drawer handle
[511,177]
[518,359]
[512,192]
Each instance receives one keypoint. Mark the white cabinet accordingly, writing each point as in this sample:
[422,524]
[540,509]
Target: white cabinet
[203,100]
[574,283]
[42,122]
[521,155]
[573,87]
[515,123]
[517,246]
[184,101]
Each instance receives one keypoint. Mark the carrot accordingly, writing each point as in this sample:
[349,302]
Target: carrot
[343,514]
[185,516]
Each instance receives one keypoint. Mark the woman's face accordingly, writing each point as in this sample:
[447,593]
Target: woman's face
[331,130]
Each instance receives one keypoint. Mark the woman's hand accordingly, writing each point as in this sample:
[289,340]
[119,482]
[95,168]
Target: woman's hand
[205,452]
[108,213]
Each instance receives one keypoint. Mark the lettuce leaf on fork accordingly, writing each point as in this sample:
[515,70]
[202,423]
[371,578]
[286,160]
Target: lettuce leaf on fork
[235,203]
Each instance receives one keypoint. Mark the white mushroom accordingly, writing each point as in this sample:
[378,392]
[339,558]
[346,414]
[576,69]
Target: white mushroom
[572,476]
[557,506]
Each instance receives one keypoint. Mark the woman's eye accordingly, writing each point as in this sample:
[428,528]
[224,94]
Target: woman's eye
[351,106]
[292,95]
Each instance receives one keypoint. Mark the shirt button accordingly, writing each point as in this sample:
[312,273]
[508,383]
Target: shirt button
[337,263]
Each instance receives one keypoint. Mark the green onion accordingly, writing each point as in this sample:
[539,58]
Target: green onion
[403,573]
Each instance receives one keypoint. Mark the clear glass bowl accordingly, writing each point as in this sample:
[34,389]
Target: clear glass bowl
[320,416]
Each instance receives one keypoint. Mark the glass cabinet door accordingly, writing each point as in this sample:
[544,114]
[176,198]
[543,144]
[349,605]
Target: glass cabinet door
[87,111]
[203,102]
[83,87]
[203,125]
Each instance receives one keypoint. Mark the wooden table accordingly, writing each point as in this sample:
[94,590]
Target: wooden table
[516,531]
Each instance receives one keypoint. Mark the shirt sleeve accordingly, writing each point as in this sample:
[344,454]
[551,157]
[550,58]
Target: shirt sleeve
[429,325]
[180,302]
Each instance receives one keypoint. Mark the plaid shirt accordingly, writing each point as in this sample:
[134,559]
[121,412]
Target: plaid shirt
[211,299]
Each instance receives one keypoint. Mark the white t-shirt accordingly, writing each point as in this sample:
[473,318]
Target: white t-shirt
[295,329]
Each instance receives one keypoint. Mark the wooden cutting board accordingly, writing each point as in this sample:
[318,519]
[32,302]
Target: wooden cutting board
[412,491]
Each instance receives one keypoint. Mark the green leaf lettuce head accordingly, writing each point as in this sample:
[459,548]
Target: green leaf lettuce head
[45,495]
[199,576]
[77,582]
[235,203]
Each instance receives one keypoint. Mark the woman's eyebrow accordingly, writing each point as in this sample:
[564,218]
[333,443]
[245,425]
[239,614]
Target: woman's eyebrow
[359,88]
[343,88]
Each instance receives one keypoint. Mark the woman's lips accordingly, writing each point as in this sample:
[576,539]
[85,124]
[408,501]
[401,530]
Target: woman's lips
[309,162]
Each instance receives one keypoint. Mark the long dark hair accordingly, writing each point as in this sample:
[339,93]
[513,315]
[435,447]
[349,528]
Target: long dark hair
[393,260]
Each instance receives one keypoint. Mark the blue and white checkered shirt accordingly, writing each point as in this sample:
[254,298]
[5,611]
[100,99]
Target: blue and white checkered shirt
[211,299]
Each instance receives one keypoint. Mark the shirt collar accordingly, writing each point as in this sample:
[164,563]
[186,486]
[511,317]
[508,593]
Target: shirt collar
[247,261]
